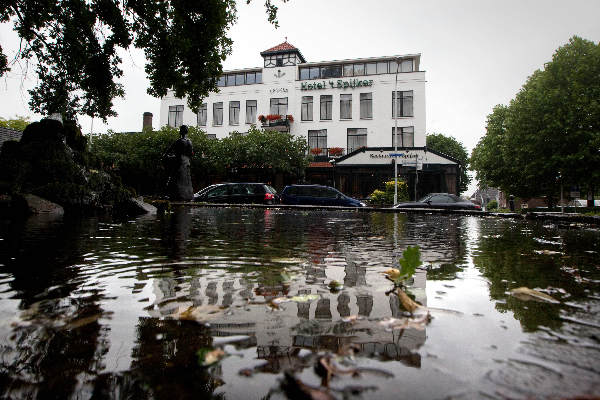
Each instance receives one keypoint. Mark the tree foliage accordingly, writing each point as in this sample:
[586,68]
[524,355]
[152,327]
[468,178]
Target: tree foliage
[74,45]
[136,157]
[455,149]
[18,123]
[550,133]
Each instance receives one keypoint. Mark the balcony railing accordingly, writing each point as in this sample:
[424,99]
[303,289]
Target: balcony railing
[326,153]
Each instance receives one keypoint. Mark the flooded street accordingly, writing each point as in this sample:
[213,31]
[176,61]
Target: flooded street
[102,309]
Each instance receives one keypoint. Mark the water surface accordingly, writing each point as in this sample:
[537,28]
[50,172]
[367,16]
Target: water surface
[92,308]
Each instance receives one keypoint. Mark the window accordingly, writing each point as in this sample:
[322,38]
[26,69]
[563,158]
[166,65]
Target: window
[318,140]
[279,60]
[326,103]
[382,67]
[234,113]
[279,106]
[307,108]
[406,138]
[239,79]
[258,77]
[359,69]
[357,138]
[250,111]
[345,106]
[202,115]
[175,116]
[304,73]
[331,71]
[366,105]
[250,77]
[218,113]
[371,68]
[221,81]
[230,80]
[407,65]
[404,106]
[348,70]
[211,135]
[310,73]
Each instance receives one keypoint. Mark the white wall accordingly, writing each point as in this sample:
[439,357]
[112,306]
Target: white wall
[379,128]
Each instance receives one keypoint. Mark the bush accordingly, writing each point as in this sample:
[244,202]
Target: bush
[492,205]
[386,196]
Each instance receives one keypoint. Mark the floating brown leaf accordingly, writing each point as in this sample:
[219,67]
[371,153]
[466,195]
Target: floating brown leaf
[407,302]
[200,313]
[526,294]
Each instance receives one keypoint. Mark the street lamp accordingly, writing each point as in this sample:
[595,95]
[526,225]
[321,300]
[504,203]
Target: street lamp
[395,111]
[332,161]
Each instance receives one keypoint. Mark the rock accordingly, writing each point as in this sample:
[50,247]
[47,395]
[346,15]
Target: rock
[137,206]
[37,205]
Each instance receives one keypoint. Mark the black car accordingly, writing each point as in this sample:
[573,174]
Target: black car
[238,193]
[441,200]
[317,195]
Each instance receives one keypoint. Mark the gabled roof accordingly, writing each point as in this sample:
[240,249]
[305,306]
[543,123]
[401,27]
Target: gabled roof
[284,47]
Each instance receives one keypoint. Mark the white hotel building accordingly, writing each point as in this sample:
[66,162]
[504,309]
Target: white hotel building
[347,110]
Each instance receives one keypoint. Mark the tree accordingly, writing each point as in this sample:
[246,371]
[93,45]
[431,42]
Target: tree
[74,45]
[453,148]
[18,123]
[549,135]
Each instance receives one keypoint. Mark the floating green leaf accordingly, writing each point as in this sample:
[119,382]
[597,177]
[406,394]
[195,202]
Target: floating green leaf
[411,259]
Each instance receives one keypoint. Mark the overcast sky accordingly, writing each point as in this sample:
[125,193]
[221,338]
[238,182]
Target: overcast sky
[476,53]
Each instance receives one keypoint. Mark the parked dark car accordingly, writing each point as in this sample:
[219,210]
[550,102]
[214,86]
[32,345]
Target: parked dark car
[441,200]
[238,193]
[317,195]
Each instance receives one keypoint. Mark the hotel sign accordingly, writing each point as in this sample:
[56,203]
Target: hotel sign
[339,84]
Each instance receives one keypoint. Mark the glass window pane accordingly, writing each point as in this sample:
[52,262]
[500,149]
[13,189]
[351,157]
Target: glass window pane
[239,79]
[250,111]
[326,107]
[331,71]
[258,77]
[221,81]
[407,65]
[371,68]
[304,73]
[393,67]
[382,67]
[345,106]
[348,70]
[359,69]
[230,80]
[218,113]
[307,108]
[366,105]
[250,78]
[314,73]
[202,115]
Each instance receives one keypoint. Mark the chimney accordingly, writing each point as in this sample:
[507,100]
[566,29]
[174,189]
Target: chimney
[147,123]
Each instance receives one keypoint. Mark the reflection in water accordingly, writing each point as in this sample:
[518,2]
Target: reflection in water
[86,305]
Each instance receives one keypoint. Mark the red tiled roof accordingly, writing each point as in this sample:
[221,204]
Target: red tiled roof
[281,47]
[324,164]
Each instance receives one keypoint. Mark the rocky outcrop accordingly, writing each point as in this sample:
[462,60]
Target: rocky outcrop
[32,204]
[51,161]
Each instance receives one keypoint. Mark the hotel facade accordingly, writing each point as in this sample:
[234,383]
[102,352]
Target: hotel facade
[350,112]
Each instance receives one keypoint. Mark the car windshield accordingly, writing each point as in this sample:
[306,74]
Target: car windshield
[271,189]
[424,199]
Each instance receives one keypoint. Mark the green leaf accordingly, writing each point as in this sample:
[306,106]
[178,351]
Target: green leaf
[411,259]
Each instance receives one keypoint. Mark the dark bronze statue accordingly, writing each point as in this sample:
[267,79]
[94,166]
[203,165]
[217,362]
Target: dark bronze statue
[177,161]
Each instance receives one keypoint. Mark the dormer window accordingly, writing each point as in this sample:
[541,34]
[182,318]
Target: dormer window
[282,55]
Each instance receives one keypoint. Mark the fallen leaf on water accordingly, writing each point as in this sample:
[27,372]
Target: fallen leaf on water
[547,252]
[286,260]
[207,357]
[526,294]
[392,274]
[78,323]
[200,313]
[407,302]
[304,298]
[296,389]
